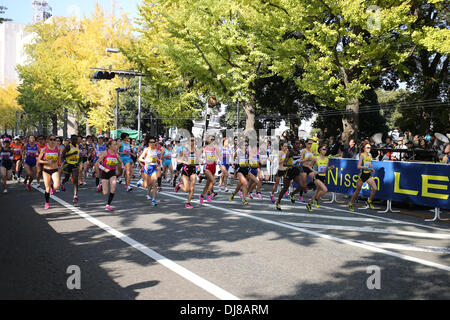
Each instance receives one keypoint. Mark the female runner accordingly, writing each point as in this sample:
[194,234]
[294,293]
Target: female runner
[50,159]
[150,157]
[108,162]
[281,169]
[30,153]
[6,157]
[365,166]
[321,163]
[189,173]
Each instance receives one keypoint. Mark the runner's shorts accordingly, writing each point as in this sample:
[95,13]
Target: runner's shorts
[108,175]
[180,166]
[68,168]
[365,176]
[254,171]
[126,160]
[321,178]
[307,170]
[31,162]
[211,168]
[151,170]
[243,170]
[281,173]
[292,173]
[189,170]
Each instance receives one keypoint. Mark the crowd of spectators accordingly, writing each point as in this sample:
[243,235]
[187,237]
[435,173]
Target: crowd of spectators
[397,145]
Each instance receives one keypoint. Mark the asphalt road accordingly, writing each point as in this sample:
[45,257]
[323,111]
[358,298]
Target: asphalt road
[219,250]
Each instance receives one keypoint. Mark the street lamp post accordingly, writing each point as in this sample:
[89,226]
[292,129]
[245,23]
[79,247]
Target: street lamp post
[120,89]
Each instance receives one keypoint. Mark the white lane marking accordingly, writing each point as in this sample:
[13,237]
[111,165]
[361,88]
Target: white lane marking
[306,215]
[334,209]
[372,230]
[389,219]
[407,247]
[185,273]
[325,236]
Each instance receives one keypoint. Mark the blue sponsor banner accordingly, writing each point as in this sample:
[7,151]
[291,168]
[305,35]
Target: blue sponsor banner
[425,184]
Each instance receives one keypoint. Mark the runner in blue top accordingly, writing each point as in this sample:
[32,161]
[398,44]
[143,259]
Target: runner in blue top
[125,153]
[167,163]
[30,154]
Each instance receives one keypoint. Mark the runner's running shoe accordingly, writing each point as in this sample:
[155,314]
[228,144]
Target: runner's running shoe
[154,202]
[109,208]
[188,206]
[47,206]
[278,206]
[308,206]
[350,207]
[316,203]
[201,199]
[370,204]
[272,198]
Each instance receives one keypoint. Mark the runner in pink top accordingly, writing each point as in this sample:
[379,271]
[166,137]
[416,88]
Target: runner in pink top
[108,162]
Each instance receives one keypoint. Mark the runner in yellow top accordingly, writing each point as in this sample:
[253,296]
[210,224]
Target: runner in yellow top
[71,155]
[306,158]
[365,165]
[321,164]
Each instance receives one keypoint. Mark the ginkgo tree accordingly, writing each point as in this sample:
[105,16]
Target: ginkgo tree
[59,71]
[8,106]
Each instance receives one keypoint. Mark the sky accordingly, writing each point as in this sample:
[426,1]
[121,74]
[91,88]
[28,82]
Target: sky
[21,10]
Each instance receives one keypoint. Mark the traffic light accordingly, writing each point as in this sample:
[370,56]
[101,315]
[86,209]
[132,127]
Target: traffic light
[103,75]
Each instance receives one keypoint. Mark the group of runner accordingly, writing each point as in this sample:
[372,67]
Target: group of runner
[57,161]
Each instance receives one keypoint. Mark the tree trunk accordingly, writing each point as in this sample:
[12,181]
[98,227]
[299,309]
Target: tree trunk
[54,124]
[350,121]
[65,123]
[249,108]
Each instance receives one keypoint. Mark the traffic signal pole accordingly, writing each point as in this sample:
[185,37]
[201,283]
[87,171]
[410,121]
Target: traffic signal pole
[139,111]
[117,112]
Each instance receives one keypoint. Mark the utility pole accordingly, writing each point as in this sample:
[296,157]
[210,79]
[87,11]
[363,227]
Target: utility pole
[139,110]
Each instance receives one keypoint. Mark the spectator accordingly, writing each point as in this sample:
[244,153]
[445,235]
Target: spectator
[351,151]
[416,140]
[446,157]
[399,156]
[333,147]
[388,142]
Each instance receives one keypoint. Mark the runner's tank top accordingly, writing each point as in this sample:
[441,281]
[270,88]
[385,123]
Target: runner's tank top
[111,161]
[51,155]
